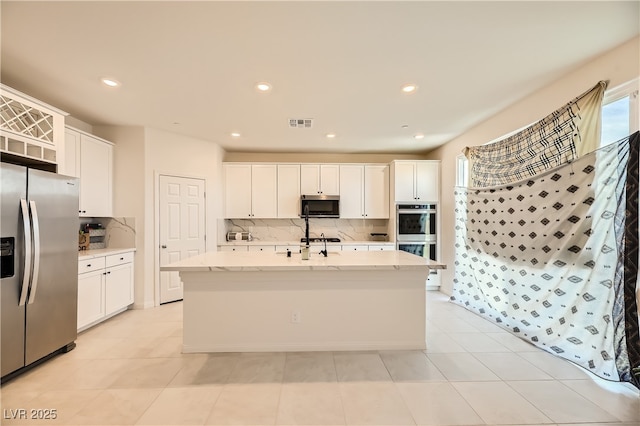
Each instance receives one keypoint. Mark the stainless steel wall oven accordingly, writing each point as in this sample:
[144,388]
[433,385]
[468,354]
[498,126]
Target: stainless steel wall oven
[416,229]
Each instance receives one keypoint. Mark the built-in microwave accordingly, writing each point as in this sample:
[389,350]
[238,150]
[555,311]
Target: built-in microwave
[320,206]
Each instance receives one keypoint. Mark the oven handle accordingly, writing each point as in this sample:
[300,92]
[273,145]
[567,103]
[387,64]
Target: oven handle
[417,211]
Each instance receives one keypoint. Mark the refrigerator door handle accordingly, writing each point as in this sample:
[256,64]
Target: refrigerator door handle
[26,222]
[36,250]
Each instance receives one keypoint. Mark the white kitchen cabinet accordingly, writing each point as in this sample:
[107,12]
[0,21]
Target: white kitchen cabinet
[250,191]
[237,185]
[71,153]
[291,247]
[264,248]
[31,129]
[381,247]
[233,248]
[264,191]
[288,191]
[355,247]
[364,191]
[119,282]
[352,191]
[416,181]
[91,159]
[105,287]
[323,179]
[91,306]
[376,191]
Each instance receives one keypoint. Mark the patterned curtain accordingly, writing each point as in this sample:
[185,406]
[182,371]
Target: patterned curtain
[553,259]
[559,138]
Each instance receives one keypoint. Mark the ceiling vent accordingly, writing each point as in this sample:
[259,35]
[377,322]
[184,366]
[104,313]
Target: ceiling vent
[300,123]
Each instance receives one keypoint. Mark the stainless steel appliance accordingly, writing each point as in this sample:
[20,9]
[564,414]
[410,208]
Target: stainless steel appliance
[320,206]
[416,229]
[39,276]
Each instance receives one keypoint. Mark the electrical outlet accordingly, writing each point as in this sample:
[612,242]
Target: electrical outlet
[295,317]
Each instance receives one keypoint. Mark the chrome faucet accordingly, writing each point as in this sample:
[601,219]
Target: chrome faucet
[324,239]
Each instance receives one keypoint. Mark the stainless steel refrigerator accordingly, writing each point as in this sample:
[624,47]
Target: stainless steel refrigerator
[39,271]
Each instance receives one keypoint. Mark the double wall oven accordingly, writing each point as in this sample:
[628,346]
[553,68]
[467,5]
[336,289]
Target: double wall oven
[416,229]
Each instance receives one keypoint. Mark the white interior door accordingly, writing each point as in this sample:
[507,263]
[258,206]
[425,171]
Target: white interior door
[182,228]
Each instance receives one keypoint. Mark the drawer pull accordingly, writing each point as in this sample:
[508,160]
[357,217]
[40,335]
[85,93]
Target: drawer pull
[122,258]
[88,265]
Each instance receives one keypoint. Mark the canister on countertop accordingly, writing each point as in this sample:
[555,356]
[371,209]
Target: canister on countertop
[239,236]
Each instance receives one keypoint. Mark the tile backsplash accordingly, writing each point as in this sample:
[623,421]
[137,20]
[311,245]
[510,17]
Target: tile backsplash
[293,229]
[116,232]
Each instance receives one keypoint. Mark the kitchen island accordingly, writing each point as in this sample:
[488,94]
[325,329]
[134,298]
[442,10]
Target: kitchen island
[257,301]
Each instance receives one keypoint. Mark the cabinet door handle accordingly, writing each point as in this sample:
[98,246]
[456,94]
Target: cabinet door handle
[163,246]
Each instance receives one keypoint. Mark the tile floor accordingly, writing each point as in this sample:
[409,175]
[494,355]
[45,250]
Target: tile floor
[129,371]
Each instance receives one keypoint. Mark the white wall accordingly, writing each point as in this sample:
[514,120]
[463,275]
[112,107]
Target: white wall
[141,154]
[128,194]
[169,153]
[618,66]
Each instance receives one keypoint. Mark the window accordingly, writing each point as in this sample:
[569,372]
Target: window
[620,113]
[462,170]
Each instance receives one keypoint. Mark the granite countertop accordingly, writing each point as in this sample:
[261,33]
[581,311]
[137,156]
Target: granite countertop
[266,261]
[90,254]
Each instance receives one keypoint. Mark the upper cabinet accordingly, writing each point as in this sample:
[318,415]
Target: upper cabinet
[30,130]
[364,191]
[376,191]
[71,165]
[323,179]
[250,191]
[264,190]
[288,191]
[416,181]
[91,159]
[269,191]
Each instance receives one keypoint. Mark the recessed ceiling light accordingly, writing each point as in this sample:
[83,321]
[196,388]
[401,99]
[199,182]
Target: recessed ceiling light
[235,134]
[419,136]
[263,86]
[409,88]
[110,82]
[331,135]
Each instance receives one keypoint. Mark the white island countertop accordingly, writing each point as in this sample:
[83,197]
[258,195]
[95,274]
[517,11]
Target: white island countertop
[269,261]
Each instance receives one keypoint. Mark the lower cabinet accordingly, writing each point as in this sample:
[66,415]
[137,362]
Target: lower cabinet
[233,248]
[382,247]
[105,287]
[355,247]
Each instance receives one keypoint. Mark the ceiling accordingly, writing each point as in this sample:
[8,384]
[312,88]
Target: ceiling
[191,67]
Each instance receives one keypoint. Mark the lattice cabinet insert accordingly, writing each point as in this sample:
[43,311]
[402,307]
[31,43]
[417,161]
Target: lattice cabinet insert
[29,128]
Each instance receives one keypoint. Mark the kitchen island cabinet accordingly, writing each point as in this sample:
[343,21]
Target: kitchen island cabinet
[265,301]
